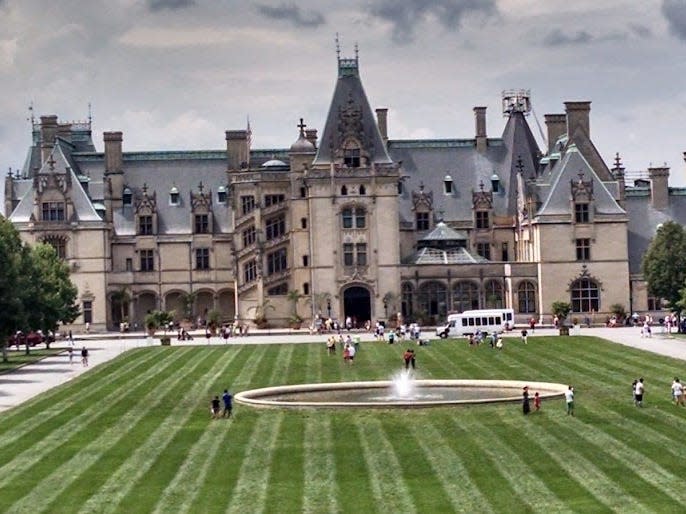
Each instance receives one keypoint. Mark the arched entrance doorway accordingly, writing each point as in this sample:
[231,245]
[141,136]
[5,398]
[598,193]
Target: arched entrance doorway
[357,304]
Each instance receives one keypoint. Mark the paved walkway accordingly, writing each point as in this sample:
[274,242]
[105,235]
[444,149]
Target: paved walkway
[33,379]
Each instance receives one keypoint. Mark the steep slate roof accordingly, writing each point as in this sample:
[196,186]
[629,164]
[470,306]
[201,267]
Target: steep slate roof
[427,162]
[348,94]
[559,194]
[644,220]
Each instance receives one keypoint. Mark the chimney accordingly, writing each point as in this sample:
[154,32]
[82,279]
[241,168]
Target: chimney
[382,122]
[48,131]
[557,126]
[64,131]
[237,149]
[311,136]
[578,116]
[113,155]
[659,187]
[480,121]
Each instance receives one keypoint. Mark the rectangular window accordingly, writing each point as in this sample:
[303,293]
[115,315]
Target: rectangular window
[422,219]
[351,157]
[249,236]
[482,219]
[583,249]
[347,216]
[273,199]
[361,250]
[147,260]
[53,211]
[129,264]
[247,204]
[202,224]
[360,218]
[277,261]
[654,303]
[202,258]
[306,260]
[505,254]
[581,213]
[221,196]
[484,249]
[348,254]
[275,227]
[280,290]
[145,225]
[250,271]
[88,312]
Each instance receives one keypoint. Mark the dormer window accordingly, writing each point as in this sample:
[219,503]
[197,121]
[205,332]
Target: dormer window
[174,198]
[482,220]
[448,185]
[582,213]
[221,194]
[495,183]
[127,196]
[351,157]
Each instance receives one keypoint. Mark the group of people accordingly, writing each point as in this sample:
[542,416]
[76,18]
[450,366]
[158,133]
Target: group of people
[495,340]
[526,407]
[84,354]
[215,405]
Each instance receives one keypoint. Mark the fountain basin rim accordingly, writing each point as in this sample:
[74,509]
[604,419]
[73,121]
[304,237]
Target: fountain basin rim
[261,397]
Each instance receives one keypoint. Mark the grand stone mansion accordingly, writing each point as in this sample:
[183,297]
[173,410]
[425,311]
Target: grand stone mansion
[358,224]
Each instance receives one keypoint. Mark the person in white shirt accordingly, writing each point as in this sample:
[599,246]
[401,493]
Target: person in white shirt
[640,388]
[569,398]
[678,392]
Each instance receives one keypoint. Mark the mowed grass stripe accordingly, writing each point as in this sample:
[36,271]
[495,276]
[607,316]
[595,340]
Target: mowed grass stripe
[285,489]
[129,488]
[65,405]
[79,466]
[609,480]
[228,449]
[415,465]
[320,488]
[448,468]
[385,472]
[178,492]
[313,363]
[546,486]
[59,444]
[658,479]
[250,492]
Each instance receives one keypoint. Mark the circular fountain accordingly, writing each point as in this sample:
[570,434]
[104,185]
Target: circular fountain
[402,391]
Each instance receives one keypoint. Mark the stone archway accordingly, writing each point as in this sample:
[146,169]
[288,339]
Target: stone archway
[357,304]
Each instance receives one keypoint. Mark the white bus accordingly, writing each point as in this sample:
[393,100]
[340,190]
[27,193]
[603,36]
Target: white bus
[469,322]
[507,315]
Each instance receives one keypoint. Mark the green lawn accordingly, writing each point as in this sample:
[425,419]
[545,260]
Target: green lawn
[135,435]
[17,358]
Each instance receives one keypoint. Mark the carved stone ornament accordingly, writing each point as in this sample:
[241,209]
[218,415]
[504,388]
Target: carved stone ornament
[584,274]
[582,189]
[146,203]
[422,199]
[350,121]
[202,200]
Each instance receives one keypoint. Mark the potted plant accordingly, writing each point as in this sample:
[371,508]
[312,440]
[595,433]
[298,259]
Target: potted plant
[214,319]
[156,319]
[561,310]
[260,318]
[295,320]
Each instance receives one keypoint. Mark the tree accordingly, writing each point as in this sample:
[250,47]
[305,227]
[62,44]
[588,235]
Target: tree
[122,298]
[294,297]
[49,294]
[156,319]
[11,302]
[664,263]
[561,310]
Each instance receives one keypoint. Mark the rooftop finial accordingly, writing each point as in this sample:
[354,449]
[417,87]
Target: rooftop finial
[338,48]
[90,115]
[302,126]
[31,118]
[357,52]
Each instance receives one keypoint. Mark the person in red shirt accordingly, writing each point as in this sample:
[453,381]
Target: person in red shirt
[537,401]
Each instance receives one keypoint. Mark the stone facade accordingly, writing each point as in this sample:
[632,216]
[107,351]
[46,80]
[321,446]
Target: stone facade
[358,224]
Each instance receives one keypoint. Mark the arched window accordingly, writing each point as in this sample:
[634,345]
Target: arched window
[433,299]
[526,297]
[407,300]
[303,222]
[494,295]
[174,198]
[465,296]
[344,190]
[127,196]
[363,190]
[585,295]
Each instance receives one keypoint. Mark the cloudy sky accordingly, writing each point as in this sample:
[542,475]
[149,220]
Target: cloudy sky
[174,74]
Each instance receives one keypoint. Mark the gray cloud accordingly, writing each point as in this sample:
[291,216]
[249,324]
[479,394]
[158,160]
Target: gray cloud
[406,15]
[293,14]
[159,5]
[640,30]
[674,12]
[558,38]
